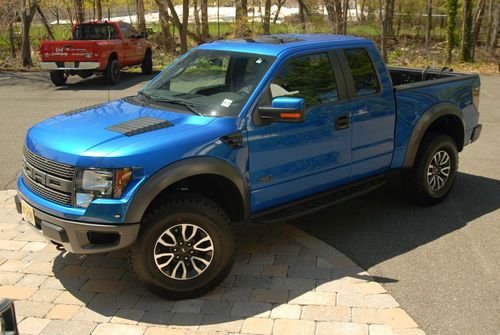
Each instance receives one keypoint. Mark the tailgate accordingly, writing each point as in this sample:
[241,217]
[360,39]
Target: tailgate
[61,51]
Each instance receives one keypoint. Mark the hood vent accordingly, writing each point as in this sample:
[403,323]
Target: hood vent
[140,125]
[80,110]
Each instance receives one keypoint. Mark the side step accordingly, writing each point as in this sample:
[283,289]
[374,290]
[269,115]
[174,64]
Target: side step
[318,202]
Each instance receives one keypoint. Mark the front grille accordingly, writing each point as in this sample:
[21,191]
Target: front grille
[38,171]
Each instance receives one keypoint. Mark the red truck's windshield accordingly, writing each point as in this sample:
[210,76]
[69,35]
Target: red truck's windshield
[95,32]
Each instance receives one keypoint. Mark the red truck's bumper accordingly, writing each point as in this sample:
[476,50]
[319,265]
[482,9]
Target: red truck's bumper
[75,66]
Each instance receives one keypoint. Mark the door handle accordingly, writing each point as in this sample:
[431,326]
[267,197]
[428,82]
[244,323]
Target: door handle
[342,122]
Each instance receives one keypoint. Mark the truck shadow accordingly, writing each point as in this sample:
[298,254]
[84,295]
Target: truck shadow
[273,257]
[95,82]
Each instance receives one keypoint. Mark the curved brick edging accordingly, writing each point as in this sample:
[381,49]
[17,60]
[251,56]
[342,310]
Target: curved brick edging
[284,282]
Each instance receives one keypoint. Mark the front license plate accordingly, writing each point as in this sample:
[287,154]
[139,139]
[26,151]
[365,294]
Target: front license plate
[70,64]
[28,214]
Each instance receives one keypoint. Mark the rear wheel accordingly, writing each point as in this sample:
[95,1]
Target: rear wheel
[112,72]
[431,178]
[186,247]
[58,77]
[147,63]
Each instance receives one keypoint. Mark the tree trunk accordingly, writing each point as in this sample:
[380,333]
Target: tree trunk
[205,34]
[181,26]
[141,15]
[344,17]
[491,22]
[338,15]
[168,41]
[386,12]
[356,9]
[452,9]
[98,5]
[330,12]
[79,10]
[44,22]
[302,15]
[27,12]
[467,42]
[478,20]
[279,4]
[428,26]
[11,40]
[266,26]
[495,30]
[362,16]
[196,14]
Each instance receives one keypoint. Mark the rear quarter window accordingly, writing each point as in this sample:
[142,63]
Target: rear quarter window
[363,72]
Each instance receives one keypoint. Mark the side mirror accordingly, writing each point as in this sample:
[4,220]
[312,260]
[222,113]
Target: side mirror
[284,109]
[8,323]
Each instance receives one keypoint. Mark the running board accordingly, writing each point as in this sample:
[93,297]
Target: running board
[318,202]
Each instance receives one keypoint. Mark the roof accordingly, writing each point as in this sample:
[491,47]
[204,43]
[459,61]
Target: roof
[273,45]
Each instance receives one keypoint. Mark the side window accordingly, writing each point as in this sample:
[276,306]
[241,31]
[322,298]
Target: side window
[363,72]
[309,77]
[113,34]
[127,30]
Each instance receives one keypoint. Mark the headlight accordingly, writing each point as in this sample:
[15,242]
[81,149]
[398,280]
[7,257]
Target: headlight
[100,183]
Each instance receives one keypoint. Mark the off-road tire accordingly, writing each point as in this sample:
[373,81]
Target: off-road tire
[147,63]
[184,207]
[415,180]
[58,77]
[112,72]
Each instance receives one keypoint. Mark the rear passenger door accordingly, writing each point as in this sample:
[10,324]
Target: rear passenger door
[289,161]
[373,111]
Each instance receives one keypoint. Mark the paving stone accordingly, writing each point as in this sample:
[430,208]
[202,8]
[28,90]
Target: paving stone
[409,331]
[122,329]
[102,273]
[247,269]
[396,318]
[46,295]
[71,284]
[298,284]
[12,245]
[220,323]
[63,312]
[237,293]
[312,298]
[286,312]
[188,306]
[165,331]
[380,330]
[248,309]
[294,260]
[293,327]
[9,278]
[275,270]
[156,317]
[77,298]
[215,294]
[309,271]
[252,281]
[32,325]
[216,307]
[104,286]
[325,313]
[102,315]
[128,316]
[257,326]
[40,268]
[14,292]
[261,259]
[277,296]
[32,280]
[32,308]
[12,265]
[121,300]
[72,271]
[13,254]
[186,320]
[284,249]
[369,301]
[154,303]
[69,327]
[104,261]
[34,246]
[30,236]
[341,328]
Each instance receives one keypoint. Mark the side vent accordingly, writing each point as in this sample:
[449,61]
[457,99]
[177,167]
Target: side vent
[140,125]
[80,110]
[234,140]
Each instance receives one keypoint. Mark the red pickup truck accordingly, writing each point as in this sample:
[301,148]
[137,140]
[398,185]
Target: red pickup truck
[96,47]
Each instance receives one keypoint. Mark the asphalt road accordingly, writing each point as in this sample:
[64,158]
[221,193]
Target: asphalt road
[441,263]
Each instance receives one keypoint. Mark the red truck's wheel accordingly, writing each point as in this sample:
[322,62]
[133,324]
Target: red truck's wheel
[185,248]
[147,64]
[112,72]
[58,78]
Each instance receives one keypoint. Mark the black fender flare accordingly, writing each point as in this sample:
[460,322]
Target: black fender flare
[177,171]
[423,124]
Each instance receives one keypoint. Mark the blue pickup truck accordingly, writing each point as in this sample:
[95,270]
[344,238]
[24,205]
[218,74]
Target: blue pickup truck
[262,129]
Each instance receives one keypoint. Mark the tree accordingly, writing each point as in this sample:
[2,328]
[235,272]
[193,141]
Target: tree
[478,20]
[266,26]
[79,10]
[98,5]
[44,21]
[467,42]
[428,26]
[452,9]
[28,10]
[278,4]
[182,26]
[168,40]
[386,14]
[141,18]
[204,20]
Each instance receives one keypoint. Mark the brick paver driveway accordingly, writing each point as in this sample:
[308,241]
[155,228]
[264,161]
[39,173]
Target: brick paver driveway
[284,282]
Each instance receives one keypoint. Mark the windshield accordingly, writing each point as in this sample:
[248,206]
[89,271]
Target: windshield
[212,83]
[95,32]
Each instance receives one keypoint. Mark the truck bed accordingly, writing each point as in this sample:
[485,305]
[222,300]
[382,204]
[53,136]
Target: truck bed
[404,77]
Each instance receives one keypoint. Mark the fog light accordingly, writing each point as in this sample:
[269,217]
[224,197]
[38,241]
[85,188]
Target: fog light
[84,199]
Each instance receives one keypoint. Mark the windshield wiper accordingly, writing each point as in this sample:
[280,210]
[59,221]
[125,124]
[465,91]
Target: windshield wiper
[184,104]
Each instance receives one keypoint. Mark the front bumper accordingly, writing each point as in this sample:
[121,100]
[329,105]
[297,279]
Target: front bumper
[82,237]
[70,65]
[476,132]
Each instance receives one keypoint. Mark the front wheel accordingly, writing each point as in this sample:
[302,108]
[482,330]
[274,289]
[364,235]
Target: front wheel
[58,77]
[185,248]
[431,178]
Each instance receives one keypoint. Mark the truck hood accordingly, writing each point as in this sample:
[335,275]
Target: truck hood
[91,136]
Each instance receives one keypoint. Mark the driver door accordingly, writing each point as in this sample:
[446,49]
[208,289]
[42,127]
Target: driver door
[288,161]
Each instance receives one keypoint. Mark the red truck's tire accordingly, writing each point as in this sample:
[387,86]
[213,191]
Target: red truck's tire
[112,72]
[189,229]
[58,77]
[147,63]
[433,174]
